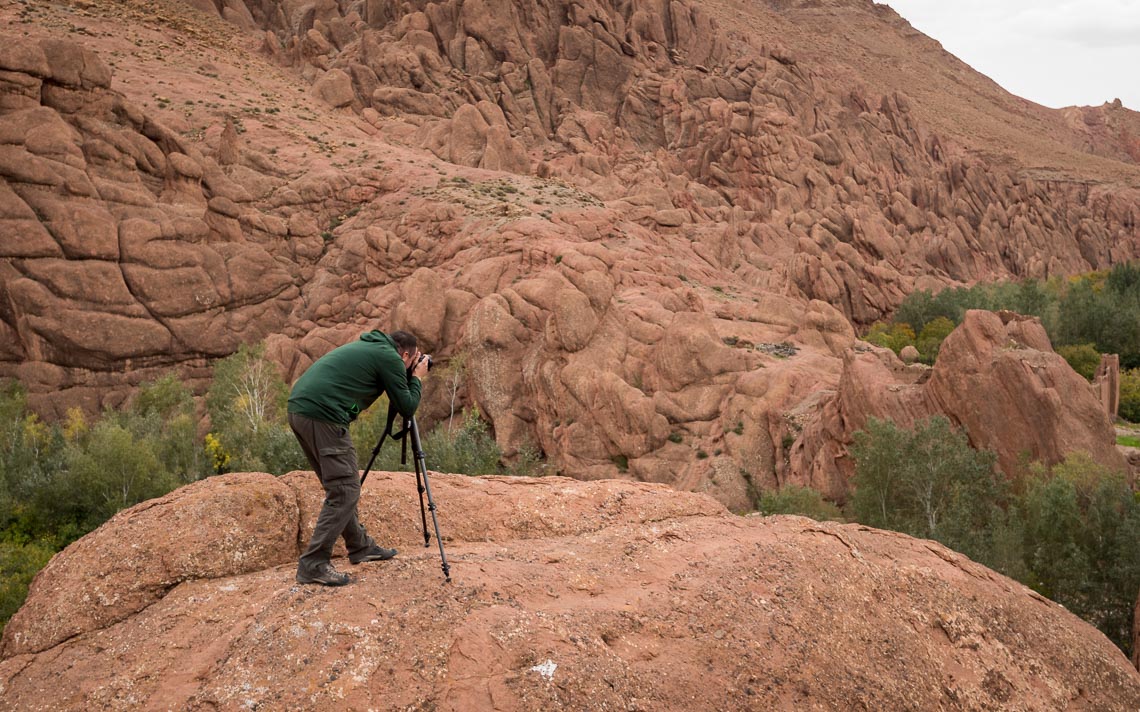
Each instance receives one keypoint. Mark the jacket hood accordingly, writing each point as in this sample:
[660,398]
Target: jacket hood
[375,336]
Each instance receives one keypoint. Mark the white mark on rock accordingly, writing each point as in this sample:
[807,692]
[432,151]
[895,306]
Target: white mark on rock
[546,669]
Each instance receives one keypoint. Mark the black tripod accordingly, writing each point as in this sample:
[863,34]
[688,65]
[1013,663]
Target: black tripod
[413,430]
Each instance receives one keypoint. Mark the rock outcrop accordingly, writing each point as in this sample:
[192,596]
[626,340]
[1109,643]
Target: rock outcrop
[649,239]
[123,247]
[1106,384]
[566,595]
[996,376]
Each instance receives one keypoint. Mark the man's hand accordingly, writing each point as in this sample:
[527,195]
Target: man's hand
[421,367]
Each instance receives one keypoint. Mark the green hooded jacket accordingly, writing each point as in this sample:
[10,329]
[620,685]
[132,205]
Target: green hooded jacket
[347,380]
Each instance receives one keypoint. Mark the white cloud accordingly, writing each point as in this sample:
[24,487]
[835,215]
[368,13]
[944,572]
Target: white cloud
[1054,52]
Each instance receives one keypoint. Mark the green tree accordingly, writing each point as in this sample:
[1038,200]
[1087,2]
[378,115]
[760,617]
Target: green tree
[1082,524]
[933,334]
[247,403]
[163,411]
[895,337]
[116,470]
[1082,358]
[927,482]
[1108,320]
[19,563]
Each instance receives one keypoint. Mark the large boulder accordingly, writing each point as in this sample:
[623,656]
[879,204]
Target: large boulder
[996,376]
[564,595]
[234,524]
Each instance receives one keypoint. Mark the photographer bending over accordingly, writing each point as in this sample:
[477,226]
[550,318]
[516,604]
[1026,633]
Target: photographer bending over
[325,399]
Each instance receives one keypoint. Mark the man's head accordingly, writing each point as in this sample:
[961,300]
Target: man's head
[406,346]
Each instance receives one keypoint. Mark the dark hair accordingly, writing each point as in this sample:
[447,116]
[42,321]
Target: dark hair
[404,341]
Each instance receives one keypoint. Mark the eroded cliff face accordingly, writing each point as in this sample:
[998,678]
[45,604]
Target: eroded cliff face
[617,212]
[565,595]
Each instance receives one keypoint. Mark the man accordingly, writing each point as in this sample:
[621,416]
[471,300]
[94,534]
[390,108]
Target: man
[325,399]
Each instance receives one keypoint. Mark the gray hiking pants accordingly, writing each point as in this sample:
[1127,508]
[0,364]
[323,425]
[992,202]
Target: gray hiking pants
[330,452]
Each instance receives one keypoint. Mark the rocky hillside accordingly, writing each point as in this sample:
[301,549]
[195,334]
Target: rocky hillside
[565,595]
[651,228]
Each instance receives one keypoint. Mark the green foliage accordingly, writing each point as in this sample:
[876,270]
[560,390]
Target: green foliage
[60,481]
[365,432]
[1097,310]
[927,482]
[1130,395]
[247,402]
[1069,531]
[468,449]
[528,462]
[895,337]
[163,413]
[1083,358]
[1082,523]
[19,563]
[1128,440]
[115,470]
[933,334]
[1100,318]
[803,501]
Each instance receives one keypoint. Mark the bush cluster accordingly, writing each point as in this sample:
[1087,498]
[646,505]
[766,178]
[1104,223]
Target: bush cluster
[59,481]
[1085,316]
[1067,531]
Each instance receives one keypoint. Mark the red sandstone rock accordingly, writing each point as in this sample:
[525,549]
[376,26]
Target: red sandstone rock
[700,195]
[996,376]
[218,527]
[565,595]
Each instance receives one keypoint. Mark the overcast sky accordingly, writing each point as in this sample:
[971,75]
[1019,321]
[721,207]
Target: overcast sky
[1054,52]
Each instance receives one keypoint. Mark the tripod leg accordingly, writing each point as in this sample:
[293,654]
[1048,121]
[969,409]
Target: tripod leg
[417,464]
[438,536]
[423,513]
[421,471]
[375,452]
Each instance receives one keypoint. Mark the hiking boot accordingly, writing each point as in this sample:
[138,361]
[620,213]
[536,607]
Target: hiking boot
[326,575]
[376,553]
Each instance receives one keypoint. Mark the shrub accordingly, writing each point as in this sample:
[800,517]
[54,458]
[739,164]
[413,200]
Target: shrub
[803,501]
[1130,395]
[247,402]
[528,462]
[468,449]
[19,563]
[1082,358]
[895,337]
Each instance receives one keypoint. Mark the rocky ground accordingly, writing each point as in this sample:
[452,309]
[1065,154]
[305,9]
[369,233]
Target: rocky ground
[565,595]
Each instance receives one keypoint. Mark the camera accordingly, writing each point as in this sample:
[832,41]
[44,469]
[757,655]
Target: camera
[429,360]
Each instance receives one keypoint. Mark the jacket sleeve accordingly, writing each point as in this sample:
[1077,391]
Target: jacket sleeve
[403,392]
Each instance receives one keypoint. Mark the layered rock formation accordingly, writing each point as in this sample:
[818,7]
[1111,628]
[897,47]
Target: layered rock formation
[996,377]
[123,247]
[566,595]
[650,239]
